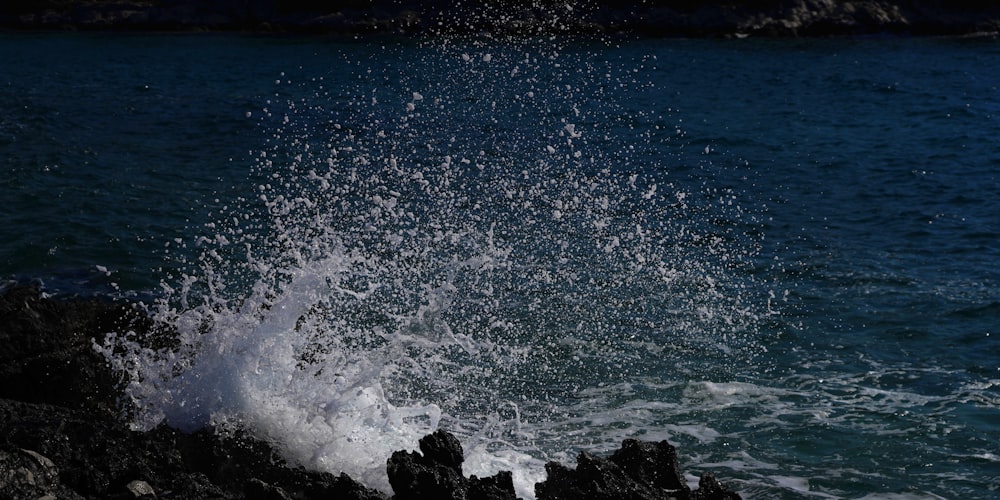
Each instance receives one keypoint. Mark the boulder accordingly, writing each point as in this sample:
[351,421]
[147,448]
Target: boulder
[46,348]
[437,473]
[29,474]
[651,463]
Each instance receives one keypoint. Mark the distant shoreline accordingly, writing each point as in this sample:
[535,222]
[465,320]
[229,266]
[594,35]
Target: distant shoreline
[654,18]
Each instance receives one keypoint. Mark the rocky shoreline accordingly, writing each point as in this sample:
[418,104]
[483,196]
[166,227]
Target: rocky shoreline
[655,18]
[63,435]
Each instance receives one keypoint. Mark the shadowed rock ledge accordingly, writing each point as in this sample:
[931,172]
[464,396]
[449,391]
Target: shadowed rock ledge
[662,18]
[61,434]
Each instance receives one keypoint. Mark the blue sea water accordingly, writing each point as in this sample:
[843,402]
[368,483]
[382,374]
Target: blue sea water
[780,255]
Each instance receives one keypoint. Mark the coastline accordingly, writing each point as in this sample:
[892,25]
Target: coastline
[65,434]
[664,18]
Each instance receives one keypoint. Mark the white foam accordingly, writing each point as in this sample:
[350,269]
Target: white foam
[384,288]
[798,485]
[247,370]
[525,469]
[902,496]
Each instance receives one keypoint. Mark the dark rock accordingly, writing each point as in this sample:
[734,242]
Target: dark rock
[412,477]
[443,448]
[637,471]
[99,458]
[70,442]
[46,348]
[140,489]
[82,448]
[779,18]
[594,479]
[259,490]
[651,463]
[711,489]
[437,473]
[29,474]
[497,487]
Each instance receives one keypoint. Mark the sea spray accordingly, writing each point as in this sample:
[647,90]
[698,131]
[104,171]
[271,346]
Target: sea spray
[473,238]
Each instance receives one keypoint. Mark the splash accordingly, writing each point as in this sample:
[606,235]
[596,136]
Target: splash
[469,233]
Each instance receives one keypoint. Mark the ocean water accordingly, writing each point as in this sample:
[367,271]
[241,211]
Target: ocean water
[780,255]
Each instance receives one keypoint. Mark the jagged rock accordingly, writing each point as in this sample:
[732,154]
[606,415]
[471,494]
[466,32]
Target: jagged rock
[594,479]
[637,471]
[29,474]
[437,473]
[80,448]
[443,448]
[651,463]
[46,353]
[59,398]
[259,490]
[711,489]
[98,457]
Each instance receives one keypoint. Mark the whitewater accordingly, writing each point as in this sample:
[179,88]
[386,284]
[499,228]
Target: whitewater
[413,261]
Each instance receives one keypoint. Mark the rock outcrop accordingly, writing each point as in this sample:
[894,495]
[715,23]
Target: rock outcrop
[437,473]
[637,471]
[651,18]
[46,354]
[73,453]
[61,434]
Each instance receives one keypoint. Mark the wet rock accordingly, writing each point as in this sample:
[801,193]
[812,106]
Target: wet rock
[637,471]
[46,353]
[710,488]
[29,474]
[651,463]
[99,458]
[437,473]
[595,479]
[443,448]
[259,490]
[140,489]
[59,399]
[70,442]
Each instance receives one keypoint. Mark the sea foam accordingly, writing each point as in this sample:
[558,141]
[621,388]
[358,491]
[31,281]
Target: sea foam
[435,250]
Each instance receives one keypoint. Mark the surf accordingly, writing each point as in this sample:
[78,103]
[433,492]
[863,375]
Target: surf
[467,234]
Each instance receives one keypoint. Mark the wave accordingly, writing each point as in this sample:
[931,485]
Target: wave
[455,235]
